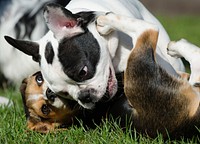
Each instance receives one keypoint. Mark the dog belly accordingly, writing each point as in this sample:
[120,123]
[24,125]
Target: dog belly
[120,62]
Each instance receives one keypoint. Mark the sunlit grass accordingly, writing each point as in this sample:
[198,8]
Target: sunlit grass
[13,123]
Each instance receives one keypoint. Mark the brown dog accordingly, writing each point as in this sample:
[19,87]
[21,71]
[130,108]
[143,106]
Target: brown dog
[44,111]
[162,101]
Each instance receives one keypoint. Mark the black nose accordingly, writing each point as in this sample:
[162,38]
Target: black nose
[85,96]
[50,95]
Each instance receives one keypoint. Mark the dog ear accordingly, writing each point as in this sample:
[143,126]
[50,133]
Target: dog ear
[27,47]
[22,91]
[64,23]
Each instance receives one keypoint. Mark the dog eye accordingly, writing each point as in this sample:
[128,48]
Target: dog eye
[45,109]
[83,72]
[39,79]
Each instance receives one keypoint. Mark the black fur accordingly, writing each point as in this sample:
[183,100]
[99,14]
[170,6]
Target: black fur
[29,22]
[32,48]
[82,50]
[87,17]
[49,53]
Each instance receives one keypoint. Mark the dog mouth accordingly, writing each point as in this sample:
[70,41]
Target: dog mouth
[111,85]
[88,98]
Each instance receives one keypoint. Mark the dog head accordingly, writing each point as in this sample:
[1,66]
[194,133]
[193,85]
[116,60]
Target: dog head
[44,110]
[73,56]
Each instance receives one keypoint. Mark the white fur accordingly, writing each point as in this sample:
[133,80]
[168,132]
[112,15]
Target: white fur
[132,9]
[191,53]
[132,27]
[14,64]
[111,57]
[114,48]
[35,97]
[5,102]
[58,81]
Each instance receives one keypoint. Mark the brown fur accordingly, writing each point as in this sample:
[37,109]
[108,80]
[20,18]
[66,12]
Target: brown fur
[36,119]
[158,101]
[62,116]
[163,103]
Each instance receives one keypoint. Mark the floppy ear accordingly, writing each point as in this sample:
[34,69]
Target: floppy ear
[22,91]
[62,22]
[27,47]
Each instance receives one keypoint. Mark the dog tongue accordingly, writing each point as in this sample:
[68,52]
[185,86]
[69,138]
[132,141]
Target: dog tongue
[110,84]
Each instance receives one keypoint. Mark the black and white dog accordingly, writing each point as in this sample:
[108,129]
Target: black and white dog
[76,56]
[21,19]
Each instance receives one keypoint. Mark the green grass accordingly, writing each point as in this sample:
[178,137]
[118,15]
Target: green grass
[13,130]
[13,122]
[187,27]
[178,27]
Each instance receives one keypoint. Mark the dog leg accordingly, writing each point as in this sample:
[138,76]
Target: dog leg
[162,103]
[132,27]
[191,53]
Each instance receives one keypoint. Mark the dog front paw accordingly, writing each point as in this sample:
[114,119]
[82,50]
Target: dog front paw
[42,128]
[104,24]
[173,49]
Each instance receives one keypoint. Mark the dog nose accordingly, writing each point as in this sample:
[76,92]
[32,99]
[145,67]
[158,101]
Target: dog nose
[85,96]
[50,95]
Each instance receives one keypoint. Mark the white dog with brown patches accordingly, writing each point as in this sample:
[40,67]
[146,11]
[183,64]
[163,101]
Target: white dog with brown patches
[161,101]
[76,59]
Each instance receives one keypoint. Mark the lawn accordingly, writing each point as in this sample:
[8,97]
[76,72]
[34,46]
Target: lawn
[13,124]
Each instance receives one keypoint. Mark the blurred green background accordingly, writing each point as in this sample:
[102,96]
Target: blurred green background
[181,18]
[182,26]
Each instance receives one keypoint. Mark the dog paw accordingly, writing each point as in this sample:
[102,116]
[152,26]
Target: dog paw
[173,49]
[41,127]
[103,24]
[104,30]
